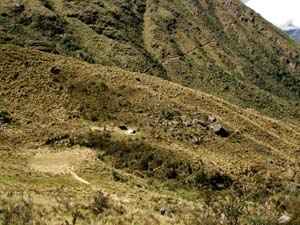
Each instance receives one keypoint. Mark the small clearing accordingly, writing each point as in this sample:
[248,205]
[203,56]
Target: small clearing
[64,162]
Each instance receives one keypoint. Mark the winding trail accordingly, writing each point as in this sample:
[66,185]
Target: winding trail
[78,178]
[167,60]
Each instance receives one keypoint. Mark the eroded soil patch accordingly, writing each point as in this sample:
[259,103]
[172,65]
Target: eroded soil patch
[64,162]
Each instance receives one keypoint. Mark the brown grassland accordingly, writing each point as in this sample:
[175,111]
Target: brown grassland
[72,72]
[69,122]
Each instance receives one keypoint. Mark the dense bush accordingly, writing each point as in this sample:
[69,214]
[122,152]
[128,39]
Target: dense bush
[50,26]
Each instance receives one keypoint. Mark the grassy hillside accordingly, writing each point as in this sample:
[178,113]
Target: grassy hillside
[113,110]
[65,160]
[220,47]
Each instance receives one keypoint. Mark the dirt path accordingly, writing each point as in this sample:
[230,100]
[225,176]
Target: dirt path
[167,60]
[78,178]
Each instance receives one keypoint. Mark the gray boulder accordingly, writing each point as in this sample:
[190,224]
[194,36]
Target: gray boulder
[284,219]
[163,211]
[199,122]
[212,119]
[187,123]
[219,130]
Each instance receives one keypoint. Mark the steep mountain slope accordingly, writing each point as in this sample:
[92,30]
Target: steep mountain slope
[64,118]
[221,47]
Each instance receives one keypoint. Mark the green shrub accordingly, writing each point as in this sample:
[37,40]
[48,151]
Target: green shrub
[47,3]
[5,117]
[69,43]
[170,115]
[50,27]
[96,140]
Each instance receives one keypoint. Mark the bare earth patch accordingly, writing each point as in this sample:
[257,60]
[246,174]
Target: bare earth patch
[116,130]
[64,162]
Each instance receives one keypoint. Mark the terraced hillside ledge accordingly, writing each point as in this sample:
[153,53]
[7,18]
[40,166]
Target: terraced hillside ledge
[69,118]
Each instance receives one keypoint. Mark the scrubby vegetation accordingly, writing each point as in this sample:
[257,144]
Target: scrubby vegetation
[173,160]
[190,43]
[150,161]
[83,143]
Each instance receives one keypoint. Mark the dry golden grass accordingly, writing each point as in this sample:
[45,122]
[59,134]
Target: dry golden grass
[63,158]
[55,111]
[218,47]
